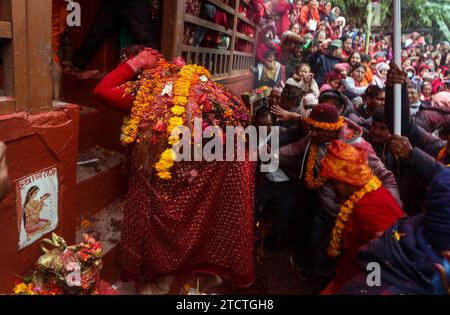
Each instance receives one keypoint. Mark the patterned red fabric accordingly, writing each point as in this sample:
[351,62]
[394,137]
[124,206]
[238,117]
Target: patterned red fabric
[173,227]
[106,289]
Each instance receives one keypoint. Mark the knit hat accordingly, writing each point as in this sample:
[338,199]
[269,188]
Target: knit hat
[424,66]
[382,66]
[325,87]
[411,69]
[333,75]
[325,116]
[381,59]
[437,214]
[357,101]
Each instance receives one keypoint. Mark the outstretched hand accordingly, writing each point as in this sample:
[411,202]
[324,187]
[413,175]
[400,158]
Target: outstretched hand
[282,114]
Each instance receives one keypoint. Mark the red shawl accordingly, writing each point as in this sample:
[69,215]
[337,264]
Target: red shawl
[374,213]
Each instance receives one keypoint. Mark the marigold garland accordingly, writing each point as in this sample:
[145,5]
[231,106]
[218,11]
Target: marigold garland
[188,76]
[311,182]
[326,126]
[144,97]
[334,248]
[165,96]
[442,154]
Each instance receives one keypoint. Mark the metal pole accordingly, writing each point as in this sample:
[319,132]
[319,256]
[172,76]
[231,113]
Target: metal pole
[368,26]
[397,60]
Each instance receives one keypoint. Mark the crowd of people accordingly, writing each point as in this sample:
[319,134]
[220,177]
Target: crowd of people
[353,191]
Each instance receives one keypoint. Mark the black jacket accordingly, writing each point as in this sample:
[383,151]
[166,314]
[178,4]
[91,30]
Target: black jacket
[422,165]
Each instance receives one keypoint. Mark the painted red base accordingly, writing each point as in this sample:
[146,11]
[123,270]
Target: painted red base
[36,142]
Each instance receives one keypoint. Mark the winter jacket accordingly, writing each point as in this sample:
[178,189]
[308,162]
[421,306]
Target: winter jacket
[323,64]
[422,163]
[416,134]
[306,14]
[350,86]
[292,65]
[429,118]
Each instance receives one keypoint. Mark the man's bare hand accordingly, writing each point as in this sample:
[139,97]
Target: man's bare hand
[284,115]
[401,147]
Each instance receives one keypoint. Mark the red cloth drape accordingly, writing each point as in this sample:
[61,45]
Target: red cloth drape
[374,213]
[172,228]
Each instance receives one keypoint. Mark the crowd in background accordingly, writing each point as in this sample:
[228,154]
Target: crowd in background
[330,93]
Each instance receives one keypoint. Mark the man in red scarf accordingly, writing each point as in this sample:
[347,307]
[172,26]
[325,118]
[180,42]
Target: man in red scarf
[367,208]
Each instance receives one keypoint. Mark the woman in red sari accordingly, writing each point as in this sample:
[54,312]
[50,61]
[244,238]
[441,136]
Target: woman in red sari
[200,221]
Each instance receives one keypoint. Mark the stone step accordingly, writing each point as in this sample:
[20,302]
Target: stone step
[90,130]
[101,179]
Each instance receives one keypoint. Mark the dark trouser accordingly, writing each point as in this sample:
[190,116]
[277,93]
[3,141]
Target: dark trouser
[320,239]
[110,15]
[283,198]
[304,221]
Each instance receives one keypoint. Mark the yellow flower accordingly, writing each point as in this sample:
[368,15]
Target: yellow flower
[163,165]
[173,140]
[398,236]
[178,110]
[164,175]
[20,288]
[326,126]
[179,101]
[188,75]
[311,182]
[334,247]
[176,121]
[168,155]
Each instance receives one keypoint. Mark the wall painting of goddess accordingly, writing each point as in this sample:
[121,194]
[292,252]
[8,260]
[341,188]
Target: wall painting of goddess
[37,205]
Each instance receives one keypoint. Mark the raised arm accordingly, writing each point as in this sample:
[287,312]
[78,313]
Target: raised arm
[109,90]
